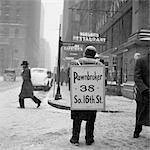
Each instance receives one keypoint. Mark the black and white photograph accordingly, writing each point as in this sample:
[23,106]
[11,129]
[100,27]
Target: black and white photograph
[74,74]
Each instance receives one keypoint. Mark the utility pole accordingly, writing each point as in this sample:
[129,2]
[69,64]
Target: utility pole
[58,95]
[60,44]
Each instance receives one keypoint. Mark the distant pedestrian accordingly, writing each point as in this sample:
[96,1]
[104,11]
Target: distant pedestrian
[103,62]
[66,77]
[136,56]
[87,115]
[141,78]
[62,76]
[27,87]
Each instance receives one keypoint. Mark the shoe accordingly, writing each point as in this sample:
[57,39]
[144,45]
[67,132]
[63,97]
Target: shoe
[89,142]
[38,104]
[75,142]
[136,135]
[21,107]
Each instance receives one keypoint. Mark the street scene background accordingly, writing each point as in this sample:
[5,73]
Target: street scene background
[50,34]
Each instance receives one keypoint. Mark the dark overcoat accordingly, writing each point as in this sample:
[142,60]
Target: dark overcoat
[85,114]
[27,87]
[141,78]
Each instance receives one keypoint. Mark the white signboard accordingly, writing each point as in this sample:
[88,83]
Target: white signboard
[87,87]
[89,37]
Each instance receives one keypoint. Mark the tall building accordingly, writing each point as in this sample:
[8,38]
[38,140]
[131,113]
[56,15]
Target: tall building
[19,33]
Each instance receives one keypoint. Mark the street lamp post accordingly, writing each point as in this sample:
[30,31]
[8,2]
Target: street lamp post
[60,44]
[58,94]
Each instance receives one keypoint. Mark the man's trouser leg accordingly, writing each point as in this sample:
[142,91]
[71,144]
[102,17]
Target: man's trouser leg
[21,102]
[76,129]
[36,100]
[89,131]
[138,127]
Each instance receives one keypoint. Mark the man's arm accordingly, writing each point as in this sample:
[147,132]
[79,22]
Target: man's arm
[138,76]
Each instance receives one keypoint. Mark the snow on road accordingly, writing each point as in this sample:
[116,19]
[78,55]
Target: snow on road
[48,128]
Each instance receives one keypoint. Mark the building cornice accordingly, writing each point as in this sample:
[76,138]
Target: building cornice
[140,38]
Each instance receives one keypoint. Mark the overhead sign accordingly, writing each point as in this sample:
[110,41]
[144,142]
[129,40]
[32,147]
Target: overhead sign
[73,48]
[87,87]
[89,37]
[75,51]
[67,43]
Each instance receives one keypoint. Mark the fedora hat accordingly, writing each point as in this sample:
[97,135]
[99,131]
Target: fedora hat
[24,63]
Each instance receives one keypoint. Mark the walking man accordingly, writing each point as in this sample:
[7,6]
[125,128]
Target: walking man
[141,78]
[27,87]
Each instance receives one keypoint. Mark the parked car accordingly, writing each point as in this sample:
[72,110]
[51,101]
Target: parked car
[41,79]
[9,74]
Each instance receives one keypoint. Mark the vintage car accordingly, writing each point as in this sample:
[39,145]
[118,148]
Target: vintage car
[9,74]
[41,79]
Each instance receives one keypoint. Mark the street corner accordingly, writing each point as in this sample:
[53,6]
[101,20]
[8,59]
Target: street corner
[60,104]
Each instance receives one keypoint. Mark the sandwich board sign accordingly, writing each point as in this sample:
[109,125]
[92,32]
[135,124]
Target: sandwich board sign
[87,87]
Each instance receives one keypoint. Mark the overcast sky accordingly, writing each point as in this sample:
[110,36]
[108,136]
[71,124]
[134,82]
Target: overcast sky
[52,11]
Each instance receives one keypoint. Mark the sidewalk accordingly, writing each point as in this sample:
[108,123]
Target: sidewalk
[63,103]
[113,127]
[113,103]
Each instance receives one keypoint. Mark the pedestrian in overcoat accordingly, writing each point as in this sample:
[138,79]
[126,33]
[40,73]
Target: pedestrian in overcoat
[141,78]
[136,56]
[87,115]
[27,87]
[62,76]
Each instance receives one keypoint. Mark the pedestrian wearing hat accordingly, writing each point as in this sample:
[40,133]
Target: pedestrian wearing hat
[87,115]
[136,56]
[142,82]
[27,87]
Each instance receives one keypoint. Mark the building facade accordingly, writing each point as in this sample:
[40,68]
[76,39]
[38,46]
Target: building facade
[127,29]
[126,26]
[19,33]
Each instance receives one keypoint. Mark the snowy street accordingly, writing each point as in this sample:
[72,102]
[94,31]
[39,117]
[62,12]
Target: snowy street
[49,128]
[79,59]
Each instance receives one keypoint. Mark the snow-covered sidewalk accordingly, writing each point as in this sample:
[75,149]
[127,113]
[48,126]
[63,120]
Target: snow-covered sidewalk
[49,128]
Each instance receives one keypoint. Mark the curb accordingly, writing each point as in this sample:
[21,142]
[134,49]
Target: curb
[68,108]
[58,106]
[111,111]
